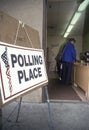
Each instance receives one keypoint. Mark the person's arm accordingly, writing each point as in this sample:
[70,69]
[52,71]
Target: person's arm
[74,54]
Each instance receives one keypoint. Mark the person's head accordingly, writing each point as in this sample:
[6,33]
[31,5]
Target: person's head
[72,40]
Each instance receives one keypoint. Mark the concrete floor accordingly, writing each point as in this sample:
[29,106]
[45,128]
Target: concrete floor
[35,116]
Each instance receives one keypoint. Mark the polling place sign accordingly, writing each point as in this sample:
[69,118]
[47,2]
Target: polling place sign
[21,70]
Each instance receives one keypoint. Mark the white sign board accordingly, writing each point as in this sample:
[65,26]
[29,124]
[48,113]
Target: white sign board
[21,70]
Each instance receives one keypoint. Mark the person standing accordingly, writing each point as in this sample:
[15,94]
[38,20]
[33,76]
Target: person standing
[68,58]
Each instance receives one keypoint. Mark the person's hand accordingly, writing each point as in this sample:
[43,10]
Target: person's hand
[76,63]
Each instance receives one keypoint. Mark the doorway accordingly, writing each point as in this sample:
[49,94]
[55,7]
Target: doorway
[59,14]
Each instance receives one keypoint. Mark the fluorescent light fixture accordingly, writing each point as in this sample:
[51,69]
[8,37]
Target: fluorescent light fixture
[83,5]
[75,17]
[69,28]
[66,34]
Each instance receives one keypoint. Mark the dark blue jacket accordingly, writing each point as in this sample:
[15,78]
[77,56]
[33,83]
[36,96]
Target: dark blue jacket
[69,53]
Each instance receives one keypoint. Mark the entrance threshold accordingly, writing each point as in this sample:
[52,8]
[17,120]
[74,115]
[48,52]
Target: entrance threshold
[65,101]
[80,93]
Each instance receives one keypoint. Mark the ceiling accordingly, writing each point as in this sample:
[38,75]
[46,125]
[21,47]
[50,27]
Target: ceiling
[59,13]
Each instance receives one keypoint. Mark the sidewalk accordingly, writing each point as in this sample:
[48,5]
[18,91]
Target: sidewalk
[35,116]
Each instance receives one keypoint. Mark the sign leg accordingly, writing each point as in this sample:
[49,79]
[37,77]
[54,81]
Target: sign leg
[0,119]
[19,110]
[49,110]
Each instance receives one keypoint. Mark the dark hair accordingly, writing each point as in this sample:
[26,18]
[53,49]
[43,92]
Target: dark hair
[72,39]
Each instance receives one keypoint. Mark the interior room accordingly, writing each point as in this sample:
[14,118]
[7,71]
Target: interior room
[63,23]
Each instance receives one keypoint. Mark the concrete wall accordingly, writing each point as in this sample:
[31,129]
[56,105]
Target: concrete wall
[29,12]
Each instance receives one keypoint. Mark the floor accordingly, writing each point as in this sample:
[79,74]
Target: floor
[36,116]
[65,111]
[59,91]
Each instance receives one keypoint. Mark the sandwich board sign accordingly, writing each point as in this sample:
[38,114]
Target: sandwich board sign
[21,70]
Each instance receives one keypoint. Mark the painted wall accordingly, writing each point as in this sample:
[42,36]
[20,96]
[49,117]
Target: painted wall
[54,43]
[78,45]
[86,32]
[29,12]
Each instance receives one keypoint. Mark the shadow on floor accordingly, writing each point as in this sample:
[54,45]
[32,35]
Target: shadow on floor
[58,91]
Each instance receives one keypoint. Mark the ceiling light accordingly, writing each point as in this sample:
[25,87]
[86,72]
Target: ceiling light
[83,5]
[66,34]
[75,17]
[69,28]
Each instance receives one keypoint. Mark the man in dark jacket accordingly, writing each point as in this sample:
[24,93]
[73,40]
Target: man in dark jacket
[68,58]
